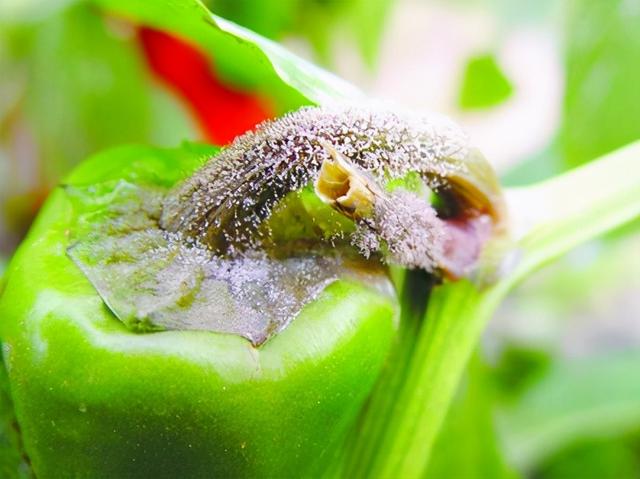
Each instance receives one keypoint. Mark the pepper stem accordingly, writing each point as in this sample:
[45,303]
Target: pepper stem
[560,214]
[343,186]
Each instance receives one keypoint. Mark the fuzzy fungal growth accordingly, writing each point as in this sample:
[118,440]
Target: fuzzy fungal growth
[349,155]
[264,227]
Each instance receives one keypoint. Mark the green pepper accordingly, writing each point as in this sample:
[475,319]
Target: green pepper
[118,372]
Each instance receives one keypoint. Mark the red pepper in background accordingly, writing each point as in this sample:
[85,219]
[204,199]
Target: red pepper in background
[222,112]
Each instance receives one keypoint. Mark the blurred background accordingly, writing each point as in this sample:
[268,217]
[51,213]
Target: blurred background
[541,86]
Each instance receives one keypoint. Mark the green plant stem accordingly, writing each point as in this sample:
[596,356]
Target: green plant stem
[380,408]
[434,372]
[547,220]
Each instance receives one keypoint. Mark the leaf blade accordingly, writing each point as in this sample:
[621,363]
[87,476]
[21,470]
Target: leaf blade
[239,55]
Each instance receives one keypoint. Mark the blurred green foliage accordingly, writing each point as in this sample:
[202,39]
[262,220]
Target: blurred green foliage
[602,101]
[601,106]
[549,399]
[617,458]
[518,368]
[484,84]
[582,419]
[577,418]
[101,97]
[595,398]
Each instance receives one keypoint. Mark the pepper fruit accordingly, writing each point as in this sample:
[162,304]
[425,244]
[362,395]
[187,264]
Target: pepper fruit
[118,372]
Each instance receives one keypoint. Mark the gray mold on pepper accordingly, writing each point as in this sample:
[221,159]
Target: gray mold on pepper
[225,203]
[235,248]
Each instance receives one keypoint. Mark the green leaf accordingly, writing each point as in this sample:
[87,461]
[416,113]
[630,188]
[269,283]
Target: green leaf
[270,18]
[597,397]
[239,55]
[550,218]
[602,102]
[484,84]
[315,20]
[368,18]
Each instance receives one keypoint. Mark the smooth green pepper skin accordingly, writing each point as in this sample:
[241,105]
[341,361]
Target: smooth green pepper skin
[94,399]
